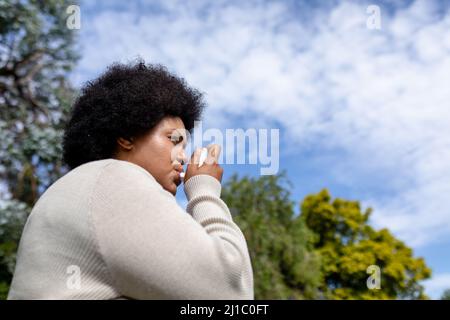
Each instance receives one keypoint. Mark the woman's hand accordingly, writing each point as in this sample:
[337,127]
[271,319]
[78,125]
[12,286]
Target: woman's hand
[209,167]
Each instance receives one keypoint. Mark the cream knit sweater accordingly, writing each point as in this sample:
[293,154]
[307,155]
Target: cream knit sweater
[108,230]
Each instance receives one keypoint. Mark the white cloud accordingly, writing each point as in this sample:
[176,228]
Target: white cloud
[379,96]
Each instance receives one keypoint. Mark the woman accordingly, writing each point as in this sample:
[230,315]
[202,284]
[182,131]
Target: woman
[111,228]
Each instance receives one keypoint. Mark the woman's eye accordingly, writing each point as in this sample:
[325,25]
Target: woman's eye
[176,140]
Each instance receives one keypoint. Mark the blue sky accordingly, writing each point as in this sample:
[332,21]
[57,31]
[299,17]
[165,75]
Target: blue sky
[362,112]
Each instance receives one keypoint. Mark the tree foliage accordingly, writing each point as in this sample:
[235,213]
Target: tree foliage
[37,51]
[323,252]
[446,295]
[348,245]
[280,245]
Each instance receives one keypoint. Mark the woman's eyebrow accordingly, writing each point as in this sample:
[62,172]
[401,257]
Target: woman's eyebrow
[174,129]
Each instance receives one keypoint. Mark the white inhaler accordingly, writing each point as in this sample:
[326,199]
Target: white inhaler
[204,156]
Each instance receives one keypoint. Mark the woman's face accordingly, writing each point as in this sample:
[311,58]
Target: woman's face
[160,152]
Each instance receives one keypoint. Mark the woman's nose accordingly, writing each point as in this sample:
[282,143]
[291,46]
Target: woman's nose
[182,157]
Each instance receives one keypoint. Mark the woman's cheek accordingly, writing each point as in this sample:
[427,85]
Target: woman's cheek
[173,153]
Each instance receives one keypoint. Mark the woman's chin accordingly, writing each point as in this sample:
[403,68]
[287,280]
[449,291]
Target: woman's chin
[172,188]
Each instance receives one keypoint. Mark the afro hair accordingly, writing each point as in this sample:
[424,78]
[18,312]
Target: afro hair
[126,101]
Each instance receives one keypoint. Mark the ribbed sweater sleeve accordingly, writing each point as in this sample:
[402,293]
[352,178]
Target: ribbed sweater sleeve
[152,248]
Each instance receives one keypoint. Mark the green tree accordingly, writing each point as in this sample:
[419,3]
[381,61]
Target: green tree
[348,245]
[36,53]
[280,245]
[446,295]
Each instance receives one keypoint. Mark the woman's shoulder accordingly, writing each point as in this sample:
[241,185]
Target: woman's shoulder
[119,175]
[110,167]
[108,178]
[106,173]
[113,172]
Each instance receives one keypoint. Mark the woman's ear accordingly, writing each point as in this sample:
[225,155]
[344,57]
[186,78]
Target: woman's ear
[127,144]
